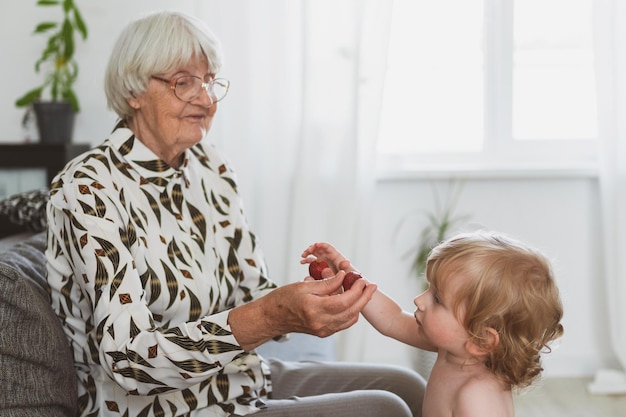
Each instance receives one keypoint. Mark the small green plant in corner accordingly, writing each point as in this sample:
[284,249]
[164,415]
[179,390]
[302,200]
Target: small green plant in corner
[440,222]
[58,56]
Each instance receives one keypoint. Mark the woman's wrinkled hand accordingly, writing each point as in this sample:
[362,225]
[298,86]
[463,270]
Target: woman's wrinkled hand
[319,307]
[314,307]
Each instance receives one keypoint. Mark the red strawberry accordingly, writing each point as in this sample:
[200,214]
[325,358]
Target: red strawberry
[316,267]
[350,278]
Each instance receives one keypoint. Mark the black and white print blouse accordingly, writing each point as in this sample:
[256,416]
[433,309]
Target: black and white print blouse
[144,263]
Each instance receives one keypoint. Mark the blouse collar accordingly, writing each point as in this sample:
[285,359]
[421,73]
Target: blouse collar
[144,161]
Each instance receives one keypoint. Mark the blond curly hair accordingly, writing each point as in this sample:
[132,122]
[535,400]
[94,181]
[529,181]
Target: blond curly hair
[507,286]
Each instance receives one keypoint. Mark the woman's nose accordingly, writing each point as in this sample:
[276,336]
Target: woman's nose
[207,97]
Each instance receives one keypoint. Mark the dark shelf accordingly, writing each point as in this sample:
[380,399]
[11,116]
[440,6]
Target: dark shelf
[50,156]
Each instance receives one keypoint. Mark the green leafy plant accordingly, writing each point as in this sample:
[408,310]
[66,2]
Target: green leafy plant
[440,222]
[58,55]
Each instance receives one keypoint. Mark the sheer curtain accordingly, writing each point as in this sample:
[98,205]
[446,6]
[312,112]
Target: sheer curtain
[300,123]
[344,56]
[610,44]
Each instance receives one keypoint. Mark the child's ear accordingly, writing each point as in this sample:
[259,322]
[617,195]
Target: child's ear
[491,339]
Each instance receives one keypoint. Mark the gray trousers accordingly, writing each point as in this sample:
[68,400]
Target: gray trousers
[339,389]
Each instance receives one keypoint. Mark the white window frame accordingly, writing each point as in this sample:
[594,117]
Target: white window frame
[502,155]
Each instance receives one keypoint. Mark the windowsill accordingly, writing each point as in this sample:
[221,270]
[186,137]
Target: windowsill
[519,171]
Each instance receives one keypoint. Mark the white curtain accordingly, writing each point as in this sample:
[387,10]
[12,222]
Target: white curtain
[610,47]
[344,56]
[300,123]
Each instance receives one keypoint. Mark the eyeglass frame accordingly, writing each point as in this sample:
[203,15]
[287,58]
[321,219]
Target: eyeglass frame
[205,84]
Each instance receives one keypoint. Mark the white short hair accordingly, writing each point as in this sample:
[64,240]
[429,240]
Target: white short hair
[157,43]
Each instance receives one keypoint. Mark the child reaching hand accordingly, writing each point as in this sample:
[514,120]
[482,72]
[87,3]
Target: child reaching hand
[491,309]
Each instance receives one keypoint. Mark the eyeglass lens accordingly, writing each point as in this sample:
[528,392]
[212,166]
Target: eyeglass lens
[190,87]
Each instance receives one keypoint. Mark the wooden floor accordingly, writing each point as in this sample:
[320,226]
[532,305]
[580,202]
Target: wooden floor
[561,397]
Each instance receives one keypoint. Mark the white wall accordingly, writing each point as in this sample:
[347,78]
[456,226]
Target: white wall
[20,49]
[559,215]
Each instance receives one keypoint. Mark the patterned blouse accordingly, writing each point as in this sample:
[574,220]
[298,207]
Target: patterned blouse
[144,263]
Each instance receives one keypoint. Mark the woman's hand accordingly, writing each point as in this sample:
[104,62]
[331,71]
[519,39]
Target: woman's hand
[312,307]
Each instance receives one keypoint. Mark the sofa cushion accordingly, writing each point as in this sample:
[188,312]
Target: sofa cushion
[36,366]
[24,211]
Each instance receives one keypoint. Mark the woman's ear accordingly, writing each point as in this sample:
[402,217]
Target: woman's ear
[133,102]
[490,341]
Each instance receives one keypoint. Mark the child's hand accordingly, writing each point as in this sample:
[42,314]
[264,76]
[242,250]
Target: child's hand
[322,251]
[326,252]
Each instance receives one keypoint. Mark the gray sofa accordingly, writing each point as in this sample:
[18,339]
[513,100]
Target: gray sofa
[36,368]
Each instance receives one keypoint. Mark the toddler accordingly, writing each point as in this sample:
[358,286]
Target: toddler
[491,309]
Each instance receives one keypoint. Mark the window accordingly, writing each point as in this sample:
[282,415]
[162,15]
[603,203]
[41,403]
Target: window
[494,84]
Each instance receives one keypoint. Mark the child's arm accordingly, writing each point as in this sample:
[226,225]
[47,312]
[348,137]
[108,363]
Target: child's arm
[388,318]
[382,311]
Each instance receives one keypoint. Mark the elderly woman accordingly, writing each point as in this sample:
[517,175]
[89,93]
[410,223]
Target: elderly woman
[156,276]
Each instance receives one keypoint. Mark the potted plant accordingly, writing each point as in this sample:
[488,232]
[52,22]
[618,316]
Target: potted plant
[439,224]
[55,112]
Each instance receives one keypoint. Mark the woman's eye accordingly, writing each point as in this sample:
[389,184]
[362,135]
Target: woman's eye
[182,83]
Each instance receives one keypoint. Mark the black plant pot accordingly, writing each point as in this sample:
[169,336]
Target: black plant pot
[55,121]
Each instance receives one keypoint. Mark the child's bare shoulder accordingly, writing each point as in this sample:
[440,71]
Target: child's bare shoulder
[485,396]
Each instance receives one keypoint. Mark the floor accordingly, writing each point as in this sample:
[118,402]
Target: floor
[560,397]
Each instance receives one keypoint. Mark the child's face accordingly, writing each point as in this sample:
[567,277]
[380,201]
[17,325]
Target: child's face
[437,321]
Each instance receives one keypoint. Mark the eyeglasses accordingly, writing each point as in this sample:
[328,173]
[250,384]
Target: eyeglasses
[189,87]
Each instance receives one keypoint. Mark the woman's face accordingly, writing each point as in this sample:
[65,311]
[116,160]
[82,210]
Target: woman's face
[167,125]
